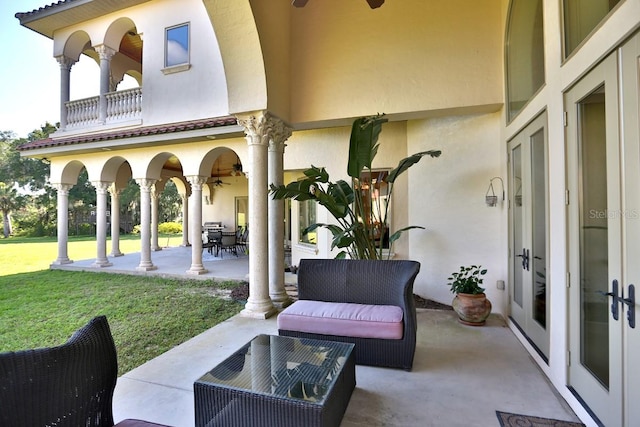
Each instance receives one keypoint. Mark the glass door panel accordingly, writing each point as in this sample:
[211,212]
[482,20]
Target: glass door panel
[594,256]
[528,231]
[539,224]
[518,220]
[595,240]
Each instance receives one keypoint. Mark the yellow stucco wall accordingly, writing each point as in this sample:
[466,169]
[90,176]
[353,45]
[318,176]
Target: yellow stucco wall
[407,56]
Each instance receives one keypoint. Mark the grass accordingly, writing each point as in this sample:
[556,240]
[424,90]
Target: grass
[147,315]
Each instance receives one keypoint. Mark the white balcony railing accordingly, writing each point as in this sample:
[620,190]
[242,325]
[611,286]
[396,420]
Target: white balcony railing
[121,106]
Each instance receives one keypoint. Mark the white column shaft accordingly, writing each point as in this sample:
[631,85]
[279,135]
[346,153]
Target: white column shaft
[105,53]
[259,303]
[115,221]
[154,220]
[277,290]
[63,223]
[101,224]
[196,223]
[145,225]
[185,219]
[65,87]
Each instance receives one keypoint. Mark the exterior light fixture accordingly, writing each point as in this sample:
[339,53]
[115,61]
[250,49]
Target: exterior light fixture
[490,197]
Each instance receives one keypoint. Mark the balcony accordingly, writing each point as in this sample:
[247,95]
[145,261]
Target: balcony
[119,107]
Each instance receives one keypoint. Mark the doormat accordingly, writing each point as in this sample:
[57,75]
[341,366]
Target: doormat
[518,420]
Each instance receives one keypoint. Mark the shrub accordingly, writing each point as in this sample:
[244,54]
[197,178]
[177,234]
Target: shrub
[164,228]
[170,228]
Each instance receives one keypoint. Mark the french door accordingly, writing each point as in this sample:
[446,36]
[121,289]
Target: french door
[528,293]
[603,212]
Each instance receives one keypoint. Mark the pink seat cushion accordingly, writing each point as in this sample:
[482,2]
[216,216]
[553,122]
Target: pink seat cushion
[138,423]
[343,319]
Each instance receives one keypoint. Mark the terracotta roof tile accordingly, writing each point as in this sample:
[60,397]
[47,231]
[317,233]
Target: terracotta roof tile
[131,133]
[21,15]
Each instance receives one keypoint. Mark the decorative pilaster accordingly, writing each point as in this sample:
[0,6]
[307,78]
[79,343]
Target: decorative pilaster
[185,220]
[279,134]
[65,86]
[145,224]
[101,224]
[115,220]
[154,219]
[105,53]
[257,128]
[196,224]
[63,223]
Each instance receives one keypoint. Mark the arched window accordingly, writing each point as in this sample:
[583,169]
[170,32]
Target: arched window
[524,52]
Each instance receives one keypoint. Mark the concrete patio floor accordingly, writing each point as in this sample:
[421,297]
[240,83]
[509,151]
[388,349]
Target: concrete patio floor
[461,374]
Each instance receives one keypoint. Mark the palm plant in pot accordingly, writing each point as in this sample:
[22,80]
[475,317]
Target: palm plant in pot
[470,303]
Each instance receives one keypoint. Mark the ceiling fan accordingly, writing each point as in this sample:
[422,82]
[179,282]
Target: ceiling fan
[218,182]
[372,3]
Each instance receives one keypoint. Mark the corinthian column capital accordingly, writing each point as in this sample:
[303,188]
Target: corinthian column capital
[196,181]
[105,52]
[257,127]
[63,188]
[65,62]
[101,186]
[280,132]
[145,184]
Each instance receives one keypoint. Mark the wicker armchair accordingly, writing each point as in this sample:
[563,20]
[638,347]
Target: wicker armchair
[364,282]
[66,386]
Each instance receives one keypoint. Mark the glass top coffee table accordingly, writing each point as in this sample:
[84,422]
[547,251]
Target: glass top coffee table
[278,381]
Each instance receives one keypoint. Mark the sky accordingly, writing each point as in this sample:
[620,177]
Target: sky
[30,75]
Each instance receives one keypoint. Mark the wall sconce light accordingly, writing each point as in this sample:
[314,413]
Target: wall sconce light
[490,198]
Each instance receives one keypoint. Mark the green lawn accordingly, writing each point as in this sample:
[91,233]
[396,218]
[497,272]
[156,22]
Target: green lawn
[148,316]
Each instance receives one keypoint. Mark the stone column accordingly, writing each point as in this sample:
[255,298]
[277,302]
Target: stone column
[63,223]
[115,221]
[196,224]
[154,219]
[101,224]
[65,87]
[279,134]
[185,220]
[257,127]
[145,224]
[105,53]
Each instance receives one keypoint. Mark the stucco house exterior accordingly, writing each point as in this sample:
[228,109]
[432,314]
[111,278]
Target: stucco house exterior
[535,101]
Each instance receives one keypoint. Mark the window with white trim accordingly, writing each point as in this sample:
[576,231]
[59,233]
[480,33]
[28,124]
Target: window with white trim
[176,46]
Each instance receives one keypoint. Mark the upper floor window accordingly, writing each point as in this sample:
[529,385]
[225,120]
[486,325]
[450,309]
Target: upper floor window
[580,18]
[524,52]
[176,46]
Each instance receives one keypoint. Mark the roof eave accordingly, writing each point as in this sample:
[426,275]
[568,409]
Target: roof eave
[47,19]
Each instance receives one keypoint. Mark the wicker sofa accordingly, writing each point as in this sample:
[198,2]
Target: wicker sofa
[66,386]
[349,297]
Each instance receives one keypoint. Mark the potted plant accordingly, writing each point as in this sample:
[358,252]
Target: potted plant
[360,227]
[470,303]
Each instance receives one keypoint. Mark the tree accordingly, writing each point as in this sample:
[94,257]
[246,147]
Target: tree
[169,203]
[31,173]
[10,201]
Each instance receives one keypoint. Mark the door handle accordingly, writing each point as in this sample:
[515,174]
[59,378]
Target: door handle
[525,258]
[631,302]
[615,299]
